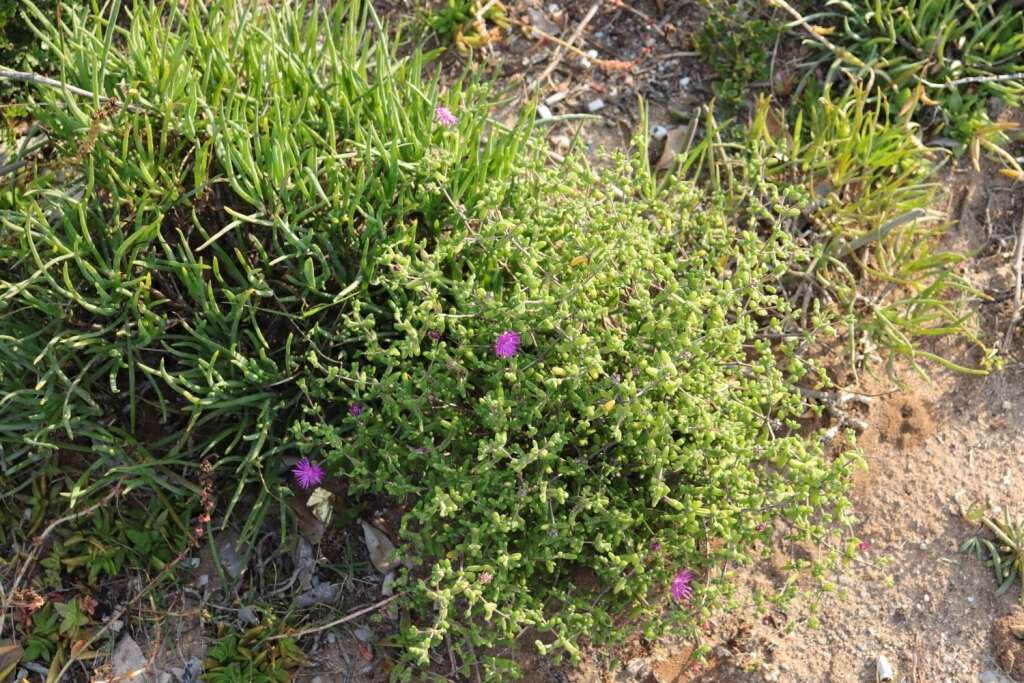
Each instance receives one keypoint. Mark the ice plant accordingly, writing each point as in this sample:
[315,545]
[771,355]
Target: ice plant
[307,474]
[507,344]
[445,117]
[681,590]
[356,409]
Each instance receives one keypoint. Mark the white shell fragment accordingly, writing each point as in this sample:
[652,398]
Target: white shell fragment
[883,670]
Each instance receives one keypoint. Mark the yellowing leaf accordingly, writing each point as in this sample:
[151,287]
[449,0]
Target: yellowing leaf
[1012,173]
[577,261]
[823,30]
[321,503]
[608,406]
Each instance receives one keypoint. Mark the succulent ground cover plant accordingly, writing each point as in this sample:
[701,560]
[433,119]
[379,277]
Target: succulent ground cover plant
[263,245]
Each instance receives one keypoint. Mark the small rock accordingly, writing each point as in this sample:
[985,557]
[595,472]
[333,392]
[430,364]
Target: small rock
[659,132]
[325,593]
[247,615]
[684,82]
[543,112]
[128,661]
[365,635]
[993,677]
[1007,405]
[595,105]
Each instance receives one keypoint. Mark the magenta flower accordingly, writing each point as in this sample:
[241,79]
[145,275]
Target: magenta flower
[445,117]
[655,545]
[307,474]
[485,578]
[681,590]
[356,409]
[507,344]
[863,546]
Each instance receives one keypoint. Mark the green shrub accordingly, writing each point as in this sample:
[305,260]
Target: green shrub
[269,226]
[864,185]
[19,47]
[640,408]
[738,46]
[943,59]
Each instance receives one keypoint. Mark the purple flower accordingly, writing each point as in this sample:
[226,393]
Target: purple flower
[307,474]
[485,578]
[760,527]
[445,116]
[863,546]
[435,335]
[655,545]
[681,590]
[507,344]
[356,409]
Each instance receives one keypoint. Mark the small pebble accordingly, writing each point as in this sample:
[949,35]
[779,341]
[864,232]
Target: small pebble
[543,112]
[684,82]
[659,132]
[1007,405]
[595,106]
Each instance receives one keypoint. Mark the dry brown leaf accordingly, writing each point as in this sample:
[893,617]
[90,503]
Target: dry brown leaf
[10,655]
[675,141]
[382,550]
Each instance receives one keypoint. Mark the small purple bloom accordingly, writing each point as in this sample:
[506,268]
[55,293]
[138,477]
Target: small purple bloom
[485,578]
[445,116]
[681,590]
[507,344]
[655,545]
[760,527]
[434,335]
[863,546]
[307,474]
[356,409]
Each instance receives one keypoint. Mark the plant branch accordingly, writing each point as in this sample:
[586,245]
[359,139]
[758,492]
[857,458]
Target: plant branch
[27,77]
[348,617]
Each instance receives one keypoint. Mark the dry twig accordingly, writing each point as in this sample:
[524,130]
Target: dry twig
[566,45]
[348,617]
[26,77]
[1018,263]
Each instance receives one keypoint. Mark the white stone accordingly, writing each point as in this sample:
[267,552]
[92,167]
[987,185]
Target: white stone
[596,105]
[543,112]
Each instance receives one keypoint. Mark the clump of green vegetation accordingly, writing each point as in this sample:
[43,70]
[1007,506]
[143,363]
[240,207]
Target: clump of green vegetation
[943,60]
[267,234]
[1004,553]
[737,44]
[19,47]
[862,184]
[467,24]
